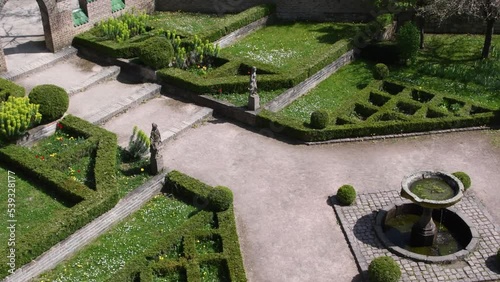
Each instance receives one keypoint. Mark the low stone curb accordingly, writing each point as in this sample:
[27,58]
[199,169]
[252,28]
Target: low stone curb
[147,92]
[401,135]
[243,32]
[44,62]
[66,248]
[104,74]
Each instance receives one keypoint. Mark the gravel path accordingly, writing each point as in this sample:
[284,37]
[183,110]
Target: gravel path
[287,230]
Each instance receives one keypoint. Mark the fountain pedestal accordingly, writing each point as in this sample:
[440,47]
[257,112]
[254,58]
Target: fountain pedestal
[423,232]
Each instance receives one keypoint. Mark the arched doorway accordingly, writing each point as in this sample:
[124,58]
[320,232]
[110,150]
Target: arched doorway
[25,31]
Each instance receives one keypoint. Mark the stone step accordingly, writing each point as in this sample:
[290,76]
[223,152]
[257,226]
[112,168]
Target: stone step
[105,74]
[42,63]
[103,101]
[171,116]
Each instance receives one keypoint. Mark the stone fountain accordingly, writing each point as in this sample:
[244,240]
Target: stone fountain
[410,229]
[430,190]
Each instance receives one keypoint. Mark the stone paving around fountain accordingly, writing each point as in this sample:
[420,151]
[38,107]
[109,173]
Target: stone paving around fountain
[358,220]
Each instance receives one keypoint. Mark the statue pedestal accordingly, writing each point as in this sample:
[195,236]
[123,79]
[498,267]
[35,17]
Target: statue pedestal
[423,232]
[156,164]
[253,102]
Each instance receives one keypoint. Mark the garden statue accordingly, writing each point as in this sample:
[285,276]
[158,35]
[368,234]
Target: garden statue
[156,159]
[253,98]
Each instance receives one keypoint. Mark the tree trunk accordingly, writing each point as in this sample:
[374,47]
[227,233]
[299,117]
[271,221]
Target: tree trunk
[421,25]
[490,24]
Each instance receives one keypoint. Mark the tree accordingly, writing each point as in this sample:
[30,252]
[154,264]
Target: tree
[488,10]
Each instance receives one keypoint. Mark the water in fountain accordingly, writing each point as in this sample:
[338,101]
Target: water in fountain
[432,189]
[398,231]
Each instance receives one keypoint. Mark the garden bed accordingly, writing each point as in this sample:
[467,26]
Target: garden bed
[76,167]
[166,240]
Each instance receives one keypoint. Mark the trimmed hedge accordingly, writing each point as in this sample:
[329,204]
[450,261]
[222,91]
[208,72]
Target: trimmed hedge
[222,225]
[53,101]
[129,49]
[375,111]
[270,78]
[384,269]
[197,193]
[464,177]
[9,88]
[346,195]
[238,21]
[87,203]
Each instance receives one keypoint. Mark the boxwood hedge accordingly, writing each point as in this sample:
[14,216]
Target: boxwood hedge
[203,224]
[87,204]
[387,107]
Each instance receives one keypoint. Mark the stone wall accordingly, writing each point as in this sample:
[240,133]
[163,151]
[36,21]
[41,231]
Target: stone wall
[320,10]
[61,24]
[459,25]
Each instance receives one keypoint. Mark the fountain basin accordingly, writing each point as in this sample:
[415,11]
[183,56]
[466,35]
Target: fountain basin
[432,189]
[450,221]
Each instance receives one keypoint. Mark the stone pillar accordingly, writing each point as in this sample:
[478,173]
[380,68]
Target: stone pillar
[156,159]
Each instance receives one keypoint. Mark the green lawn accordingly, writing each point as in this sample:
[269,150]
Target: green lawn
[291,46]
[187,23]
[108,254]
[332,92]
[452,64]
[33,207]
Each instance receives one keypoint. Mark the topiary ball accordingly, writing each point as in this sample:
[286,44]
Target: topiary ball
[464,177]
[381,71]
[346,195]
[157,52]
[384,269]
[220,199]
[53,101]
[320,119]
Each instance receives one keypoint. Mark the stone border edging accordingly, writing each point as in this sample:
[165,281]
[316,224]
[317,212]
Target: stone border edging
[44,62]
[305,86]
[401,135]
[243,31]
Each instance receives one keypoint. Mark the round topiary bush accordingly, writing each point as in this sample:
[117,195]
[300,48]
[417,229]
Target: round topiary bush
[346,195]
[381,71]
[464,177]
[319,119]
[53,101]
[384,269]
[220,199]
[157,52]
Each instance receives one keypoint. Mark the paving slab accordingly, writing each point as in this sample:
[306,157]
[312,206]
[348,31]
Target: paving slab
[171,115]
[68,74]
[101,102]
[287,230]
